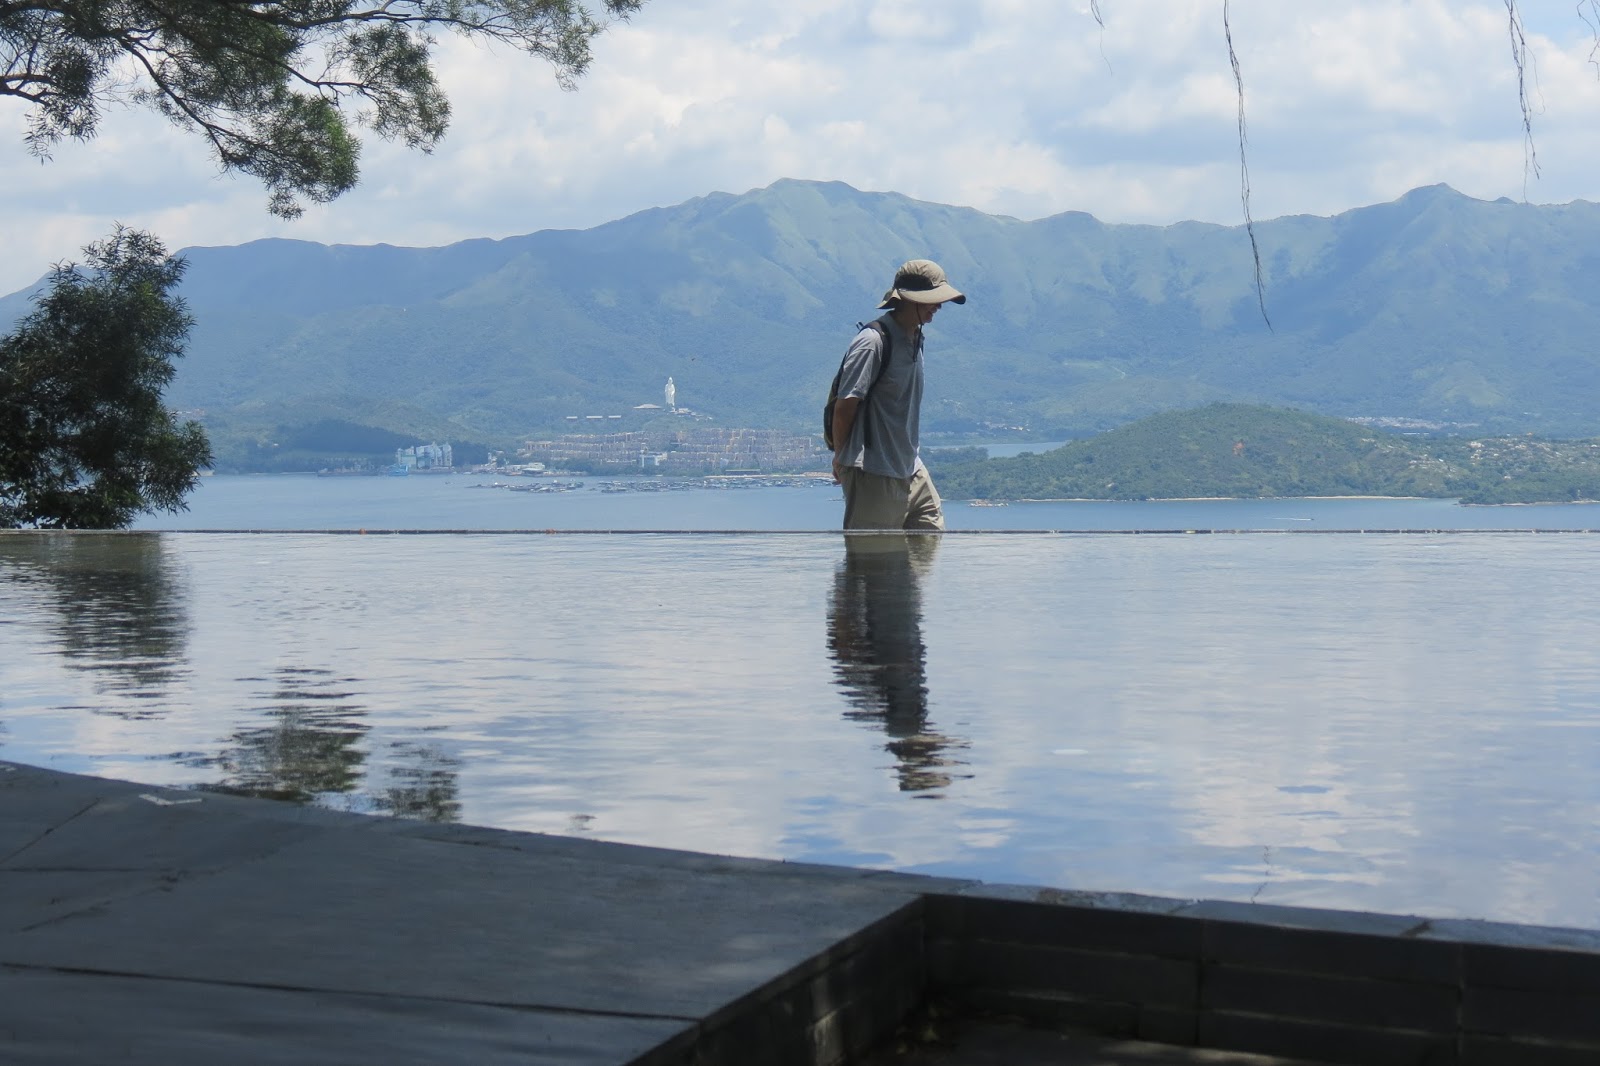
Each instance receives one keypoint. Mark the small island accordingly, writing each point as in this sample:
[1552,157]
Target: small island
[1240,451]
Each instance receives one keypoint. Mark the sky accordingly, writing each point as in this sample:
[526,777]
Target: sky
[1024,108]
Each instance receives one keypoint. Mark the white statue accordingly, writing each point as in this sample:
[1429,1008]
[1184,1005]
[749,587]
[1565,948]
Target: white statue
[672,395]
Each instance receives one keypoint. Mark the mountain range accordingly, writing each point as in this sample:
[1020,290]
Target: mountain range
[1434,309]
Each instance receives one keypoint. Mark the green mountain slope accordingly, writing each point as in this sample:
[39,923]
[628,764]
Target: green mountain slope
[1232,450]
[1434,307]
[1242,451]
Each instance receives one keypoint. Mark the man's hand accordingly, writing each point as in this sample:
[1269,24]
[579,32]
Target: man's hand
[844,420]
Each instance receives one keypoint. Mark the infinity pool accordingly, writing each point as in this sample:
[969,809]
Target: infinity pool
[1400,722]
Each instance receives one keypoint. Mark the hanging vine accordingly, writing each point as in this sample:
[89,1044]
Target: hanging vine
[1522,58]
[1244,167]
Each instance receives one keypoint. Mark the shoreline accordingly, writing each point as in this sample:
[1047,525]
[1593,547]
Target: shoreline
[993,500]
[1199,499]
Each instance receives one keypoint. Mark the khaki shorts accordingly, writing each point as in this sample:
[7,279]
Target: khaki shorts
[872,501]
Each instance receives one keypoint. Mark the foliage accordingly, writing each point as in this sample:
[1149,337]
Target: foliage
[340,435]
[268,82]
[1529,470]
[345,440]
[85,440]
[937,459]
[274,438]
[1239,450]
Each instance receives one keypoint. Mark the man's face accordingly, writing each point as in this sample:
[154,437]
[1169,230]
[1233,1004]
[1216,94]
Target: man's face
[925,313]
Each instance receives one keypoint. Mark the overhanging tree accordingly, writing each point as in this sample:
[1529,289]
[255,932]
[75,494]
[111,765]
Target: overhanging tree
[85,439]
[275,86]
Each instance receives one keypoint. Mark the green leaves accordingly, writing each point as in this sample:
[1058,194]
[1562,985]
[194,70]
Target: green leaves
[301,149]
[408,103]
[1244,451]
[85,440]
[275,86]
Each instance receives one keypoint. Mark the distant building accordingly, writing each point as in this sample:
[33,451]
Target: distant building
[425,457]
[688,451]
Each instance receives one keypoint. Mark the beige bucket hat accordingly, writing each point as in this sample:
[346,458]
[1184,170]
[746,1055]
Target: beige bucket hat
[922,281]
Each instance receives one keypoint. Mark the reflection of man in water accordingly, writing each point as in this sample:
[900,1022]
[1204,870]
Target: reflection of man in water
[875,636]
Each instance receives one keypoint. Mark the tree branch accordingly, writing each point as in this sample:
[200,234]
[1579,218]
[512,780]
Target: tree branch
[263,80]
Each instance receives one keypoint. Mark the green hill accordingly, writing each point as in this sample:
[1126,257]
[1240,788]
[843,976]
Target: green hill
[1238,450]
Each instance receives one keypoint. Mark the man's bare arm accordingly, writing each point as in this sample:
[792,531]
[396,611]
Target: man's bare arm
[845,410]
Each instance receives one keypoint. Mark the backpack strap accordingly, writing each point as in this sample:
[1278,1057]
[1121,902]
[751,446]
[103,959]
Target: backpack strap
[888,348]
[883,364]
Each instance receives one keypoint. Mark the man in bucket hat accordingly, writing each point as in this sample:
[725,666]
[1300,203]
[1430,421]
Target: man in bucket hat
[876,416]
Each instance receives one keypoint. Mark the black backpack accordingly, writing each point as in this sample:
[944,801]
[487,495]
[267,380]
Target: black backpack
[833,390]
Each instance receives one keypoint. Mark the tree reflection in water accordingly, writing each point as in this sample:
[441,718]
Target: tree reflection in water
[115,605]
[880,660]
[423,784]
[313,749]
[309,749]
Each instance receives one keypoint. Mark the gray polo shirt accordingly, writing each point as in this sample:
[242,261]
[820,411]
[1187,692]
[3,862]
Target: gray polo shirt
[886,434]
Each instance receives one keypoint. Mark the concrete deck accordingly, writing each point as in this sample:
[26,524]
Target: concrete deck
[148,925]
[145,925]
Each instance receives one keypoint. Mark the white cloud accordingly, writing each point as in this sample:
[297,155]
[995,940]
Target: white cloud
[1021,107]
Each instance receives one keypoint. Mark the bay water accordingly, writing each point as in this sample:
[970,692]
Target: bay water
[1396,721]
[484,501]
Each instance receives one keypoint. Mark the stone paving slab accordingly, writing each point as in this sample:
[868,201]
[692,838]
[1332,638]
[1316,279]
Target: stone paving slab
[76,1019]
[147,925]
[189,921]
[350,912]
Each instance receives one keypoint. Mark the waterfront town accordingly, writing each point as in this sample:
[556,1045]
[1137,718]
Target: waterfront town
[698,450]
[672,439]
[676,440]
